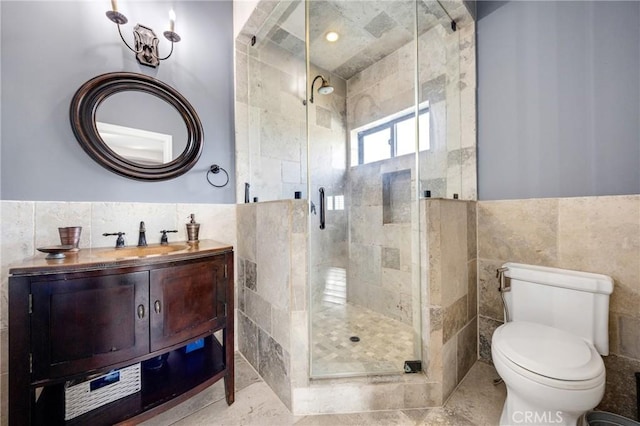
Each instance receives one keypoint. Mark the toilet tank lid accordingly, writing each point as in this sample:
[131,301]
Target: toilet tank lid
[566,278]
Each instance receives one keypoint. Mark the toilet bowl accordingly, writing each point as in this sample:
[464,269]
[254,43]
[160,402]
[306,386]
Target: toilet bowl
[552,376]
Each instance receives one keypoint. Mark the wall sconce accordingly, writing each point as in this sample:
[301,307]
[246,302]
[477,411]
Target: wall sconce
[146,42]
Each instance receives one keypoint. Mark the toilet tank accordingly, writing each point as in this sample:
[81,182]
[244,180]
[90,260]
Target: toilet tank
[574,301]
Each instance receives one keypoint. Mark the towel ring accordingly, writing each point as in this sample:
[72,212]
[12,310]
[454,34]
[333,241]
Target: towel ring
[215,169]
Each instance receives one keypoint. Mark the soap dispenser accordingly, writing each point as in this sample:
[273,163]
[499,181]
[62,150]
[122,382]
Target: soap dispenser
[192,230]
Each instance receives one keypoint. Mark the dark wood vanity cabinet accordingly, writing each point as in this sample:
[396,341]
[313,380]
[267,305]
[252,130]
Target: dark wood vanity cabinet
[80,324]
[71,325]
[184,303]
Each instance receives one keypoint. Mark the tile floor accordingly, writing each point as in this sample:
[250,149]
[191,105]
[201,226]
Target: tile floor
[381,349]
[476,402]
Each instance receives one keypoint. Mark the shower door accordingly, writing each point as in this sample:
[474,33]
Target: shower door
[362,173]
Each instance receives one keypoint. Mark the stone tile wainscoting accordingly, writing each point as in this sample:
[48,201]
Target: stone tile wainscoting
[273,320]
[273,313]
[593,234]
[272,300]
[27,225]
[448,270]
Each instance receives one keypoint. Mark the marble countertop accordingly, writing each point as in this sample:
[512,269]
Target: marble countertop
[90,259]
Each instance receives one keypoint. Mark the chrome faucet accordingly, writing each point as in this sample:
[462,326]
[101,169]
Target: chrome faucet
[142,239]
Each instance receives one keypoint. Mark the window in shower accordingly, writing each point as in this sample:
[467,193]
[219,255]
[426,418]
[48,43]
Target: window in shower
[335,202]
[391,137]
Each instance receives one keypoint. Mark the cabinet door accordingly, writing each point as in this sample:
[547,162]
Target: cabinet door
[185,301]
[87,322]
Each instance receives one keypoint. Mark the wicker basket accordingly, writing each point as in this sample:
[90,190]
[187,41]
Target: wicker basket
[88,395]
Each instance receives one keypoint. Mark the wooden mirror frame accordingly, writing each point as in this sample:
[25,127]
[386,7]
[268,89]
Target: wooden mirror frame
[91,94]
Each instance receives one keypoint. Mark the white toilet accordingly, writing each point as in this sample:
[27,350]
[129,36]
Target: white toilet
[549,353]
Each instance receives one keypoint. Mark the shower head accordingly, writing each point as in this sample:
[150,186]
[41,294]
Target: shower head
[324,89]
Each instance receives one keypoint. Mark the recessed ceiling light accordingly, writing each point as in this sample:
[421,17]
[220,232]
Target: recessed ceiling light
[332,36]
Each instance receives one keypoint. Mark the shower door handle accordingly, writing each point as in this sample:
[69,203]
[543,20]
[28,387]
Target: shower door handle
[323,208]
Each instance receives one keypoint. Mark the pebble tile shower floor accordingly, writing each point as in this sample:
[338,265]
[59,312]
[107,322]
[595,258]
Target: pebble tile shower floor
[384,344]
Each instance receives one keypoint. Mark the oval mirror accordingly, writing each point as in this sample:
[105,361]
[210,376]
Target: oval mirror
[136,126]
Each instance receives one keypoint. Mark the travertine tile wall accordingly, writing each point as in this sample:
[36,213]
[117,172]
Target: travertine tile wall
[270,121]
[271,151]
[379,271]
[447,79]
[271,131]
[450,304]
[463,161]
[446,64]
[327,169]
[27,225]
[593,234]
[272,298]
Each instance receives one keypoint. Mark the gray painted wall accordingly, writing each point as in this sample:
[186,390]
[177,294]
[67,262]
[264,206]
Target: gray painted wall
[558,99]
[50,48]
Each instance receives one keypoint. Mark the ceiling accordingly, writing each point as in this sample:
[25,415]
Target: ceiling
[368,30]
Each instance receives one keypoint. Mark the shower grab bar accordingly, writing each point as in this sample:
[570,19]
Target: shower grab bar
[323,207]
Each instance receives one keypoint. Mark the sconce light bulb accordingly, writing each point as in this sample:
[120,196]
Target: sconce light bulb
[172,20]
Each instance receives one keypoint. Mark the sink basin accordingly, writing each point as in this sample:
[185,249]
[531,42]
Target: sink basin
[143,251]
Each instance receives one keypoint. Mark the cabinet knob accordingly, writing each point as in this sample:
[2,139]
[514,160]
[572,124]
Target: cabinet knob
[140,311]
[156,306]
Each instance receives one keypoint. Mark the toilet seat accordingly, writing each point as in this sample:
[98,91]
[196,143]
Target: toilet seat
[548,355]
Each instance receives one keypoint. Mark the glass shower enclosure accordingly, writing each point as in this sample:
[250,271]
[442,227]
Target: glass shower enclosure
[377,143]
[356,106]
